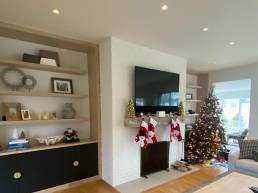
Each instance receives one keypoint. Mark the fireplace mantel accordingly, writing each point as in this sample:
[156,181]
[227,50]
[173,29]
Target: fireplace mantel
[162,121]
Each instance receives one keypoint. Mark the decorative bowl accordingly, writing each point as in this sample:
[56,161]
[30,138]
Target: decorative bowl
[51,140]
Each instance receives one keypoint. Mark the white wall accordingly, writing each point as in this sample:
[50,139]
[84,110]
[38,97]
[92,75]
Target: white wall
[125,55]
[238,73]
[106,111]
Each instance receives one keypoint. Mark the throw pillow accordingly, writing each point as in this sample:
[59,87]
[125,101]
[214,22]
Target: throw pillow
[247,147]
[255,155]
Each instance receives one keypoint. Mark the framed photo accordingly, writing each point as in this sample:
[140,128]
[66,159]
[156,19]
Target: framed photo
[25,113]
[189,96]
[12,111]
[61,85]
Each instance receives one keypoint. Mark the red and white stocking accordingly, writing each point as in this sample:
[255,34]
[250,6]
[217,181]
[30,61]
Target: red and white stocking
[142,135]
[151,131]
[175,130]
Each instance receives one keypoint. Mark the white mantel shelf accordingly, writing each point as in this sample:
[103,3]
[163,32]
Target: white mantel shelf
[162,121]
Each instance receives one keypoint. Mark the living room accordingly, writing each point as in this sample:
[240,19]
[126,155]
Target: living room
[128,96]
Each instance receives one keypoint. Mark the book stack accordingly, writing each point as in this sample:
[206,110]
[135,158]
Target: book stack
[18,144]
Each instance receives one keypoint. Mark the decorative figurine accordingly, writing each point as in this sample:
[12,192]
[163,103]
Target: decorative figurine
[181,110]
[71,135]
[15,134]
[130,109]
[22,135]
[68,111]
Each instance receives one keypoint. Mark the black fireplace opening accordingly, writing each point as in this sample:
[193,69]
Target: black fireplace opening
[155,158]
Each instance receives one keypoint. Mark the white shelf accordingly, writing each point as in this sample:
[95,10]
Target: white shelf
[194,86]
[11,123]
[192,115]
[43,67]
[41,94]
[41,147]
[193,101]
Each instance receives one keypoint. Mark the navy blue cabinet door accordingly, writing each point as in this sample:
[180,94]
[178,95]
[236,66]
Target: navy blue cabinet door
[49,168]
[41,170]
[87,158]
[8,167]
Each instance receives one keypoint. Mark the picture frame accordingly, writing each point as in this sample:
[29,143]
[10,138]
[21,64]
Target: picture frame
[188,96]
[25,113]
[12,111]
[62,85]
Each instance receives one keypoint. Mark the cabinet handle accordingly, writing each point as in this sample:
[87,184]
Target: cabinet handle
[17,175]
[75,163]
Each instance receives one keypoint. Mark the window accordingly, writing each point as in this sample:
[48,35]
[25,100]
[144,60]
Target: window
[234,98]
[169,99]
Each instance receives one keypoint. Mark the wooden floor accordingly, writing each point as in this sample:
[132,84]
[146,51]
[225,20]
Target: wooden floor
[179,185]
[98,186]
[189,182]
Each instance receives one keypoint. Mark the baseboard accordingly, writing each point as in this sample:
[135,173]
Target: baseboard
[69,185]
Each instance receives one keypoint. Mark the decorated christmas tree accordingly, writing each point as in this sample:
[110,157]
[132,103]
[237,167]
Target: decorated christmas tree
[130,109]
[181,110]
[207,139]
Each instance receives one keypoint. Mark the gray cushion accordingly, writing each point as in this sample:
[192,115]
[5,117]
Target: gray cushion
[247,147]
[247,164]
[255,154]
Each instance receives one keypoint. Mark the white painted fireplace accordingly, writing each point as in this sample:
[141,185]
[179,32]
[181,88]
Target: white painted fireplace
[120,153]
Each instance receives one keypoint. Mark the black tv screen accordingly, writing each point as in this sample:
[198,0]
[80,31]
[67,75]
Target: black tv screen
[156,90]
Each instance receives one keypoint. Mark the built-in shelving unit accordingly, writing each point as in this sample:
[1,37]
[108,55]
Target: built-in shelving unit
[191,107]
[75,71]
[20,64]
[41,94]
[44,147]
[10,123]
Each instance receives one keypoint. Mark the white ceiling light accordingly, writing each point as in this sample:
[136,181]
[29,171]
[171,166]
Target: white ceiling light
[205,29]
[56,11]
[232,43]
[164,7]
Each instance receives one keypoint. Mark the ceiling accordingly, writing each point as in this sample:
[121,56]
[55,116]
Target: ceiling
[176,31]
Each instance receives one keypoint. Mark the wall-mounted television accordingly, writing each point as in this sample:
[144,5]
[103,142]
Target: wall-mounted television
[156,90]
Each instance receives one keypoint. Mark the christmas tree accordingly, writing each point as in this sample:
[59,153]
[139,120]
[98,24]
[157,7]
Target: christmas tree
[130,109]
[207,139]
[181,110]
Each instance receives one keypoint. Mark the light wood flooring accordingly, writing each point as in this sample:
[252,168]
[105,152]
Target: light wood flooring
[179,185]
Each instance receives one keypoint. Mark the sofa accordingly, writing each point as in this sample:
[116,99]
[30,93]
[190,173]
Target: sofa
[245,166]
